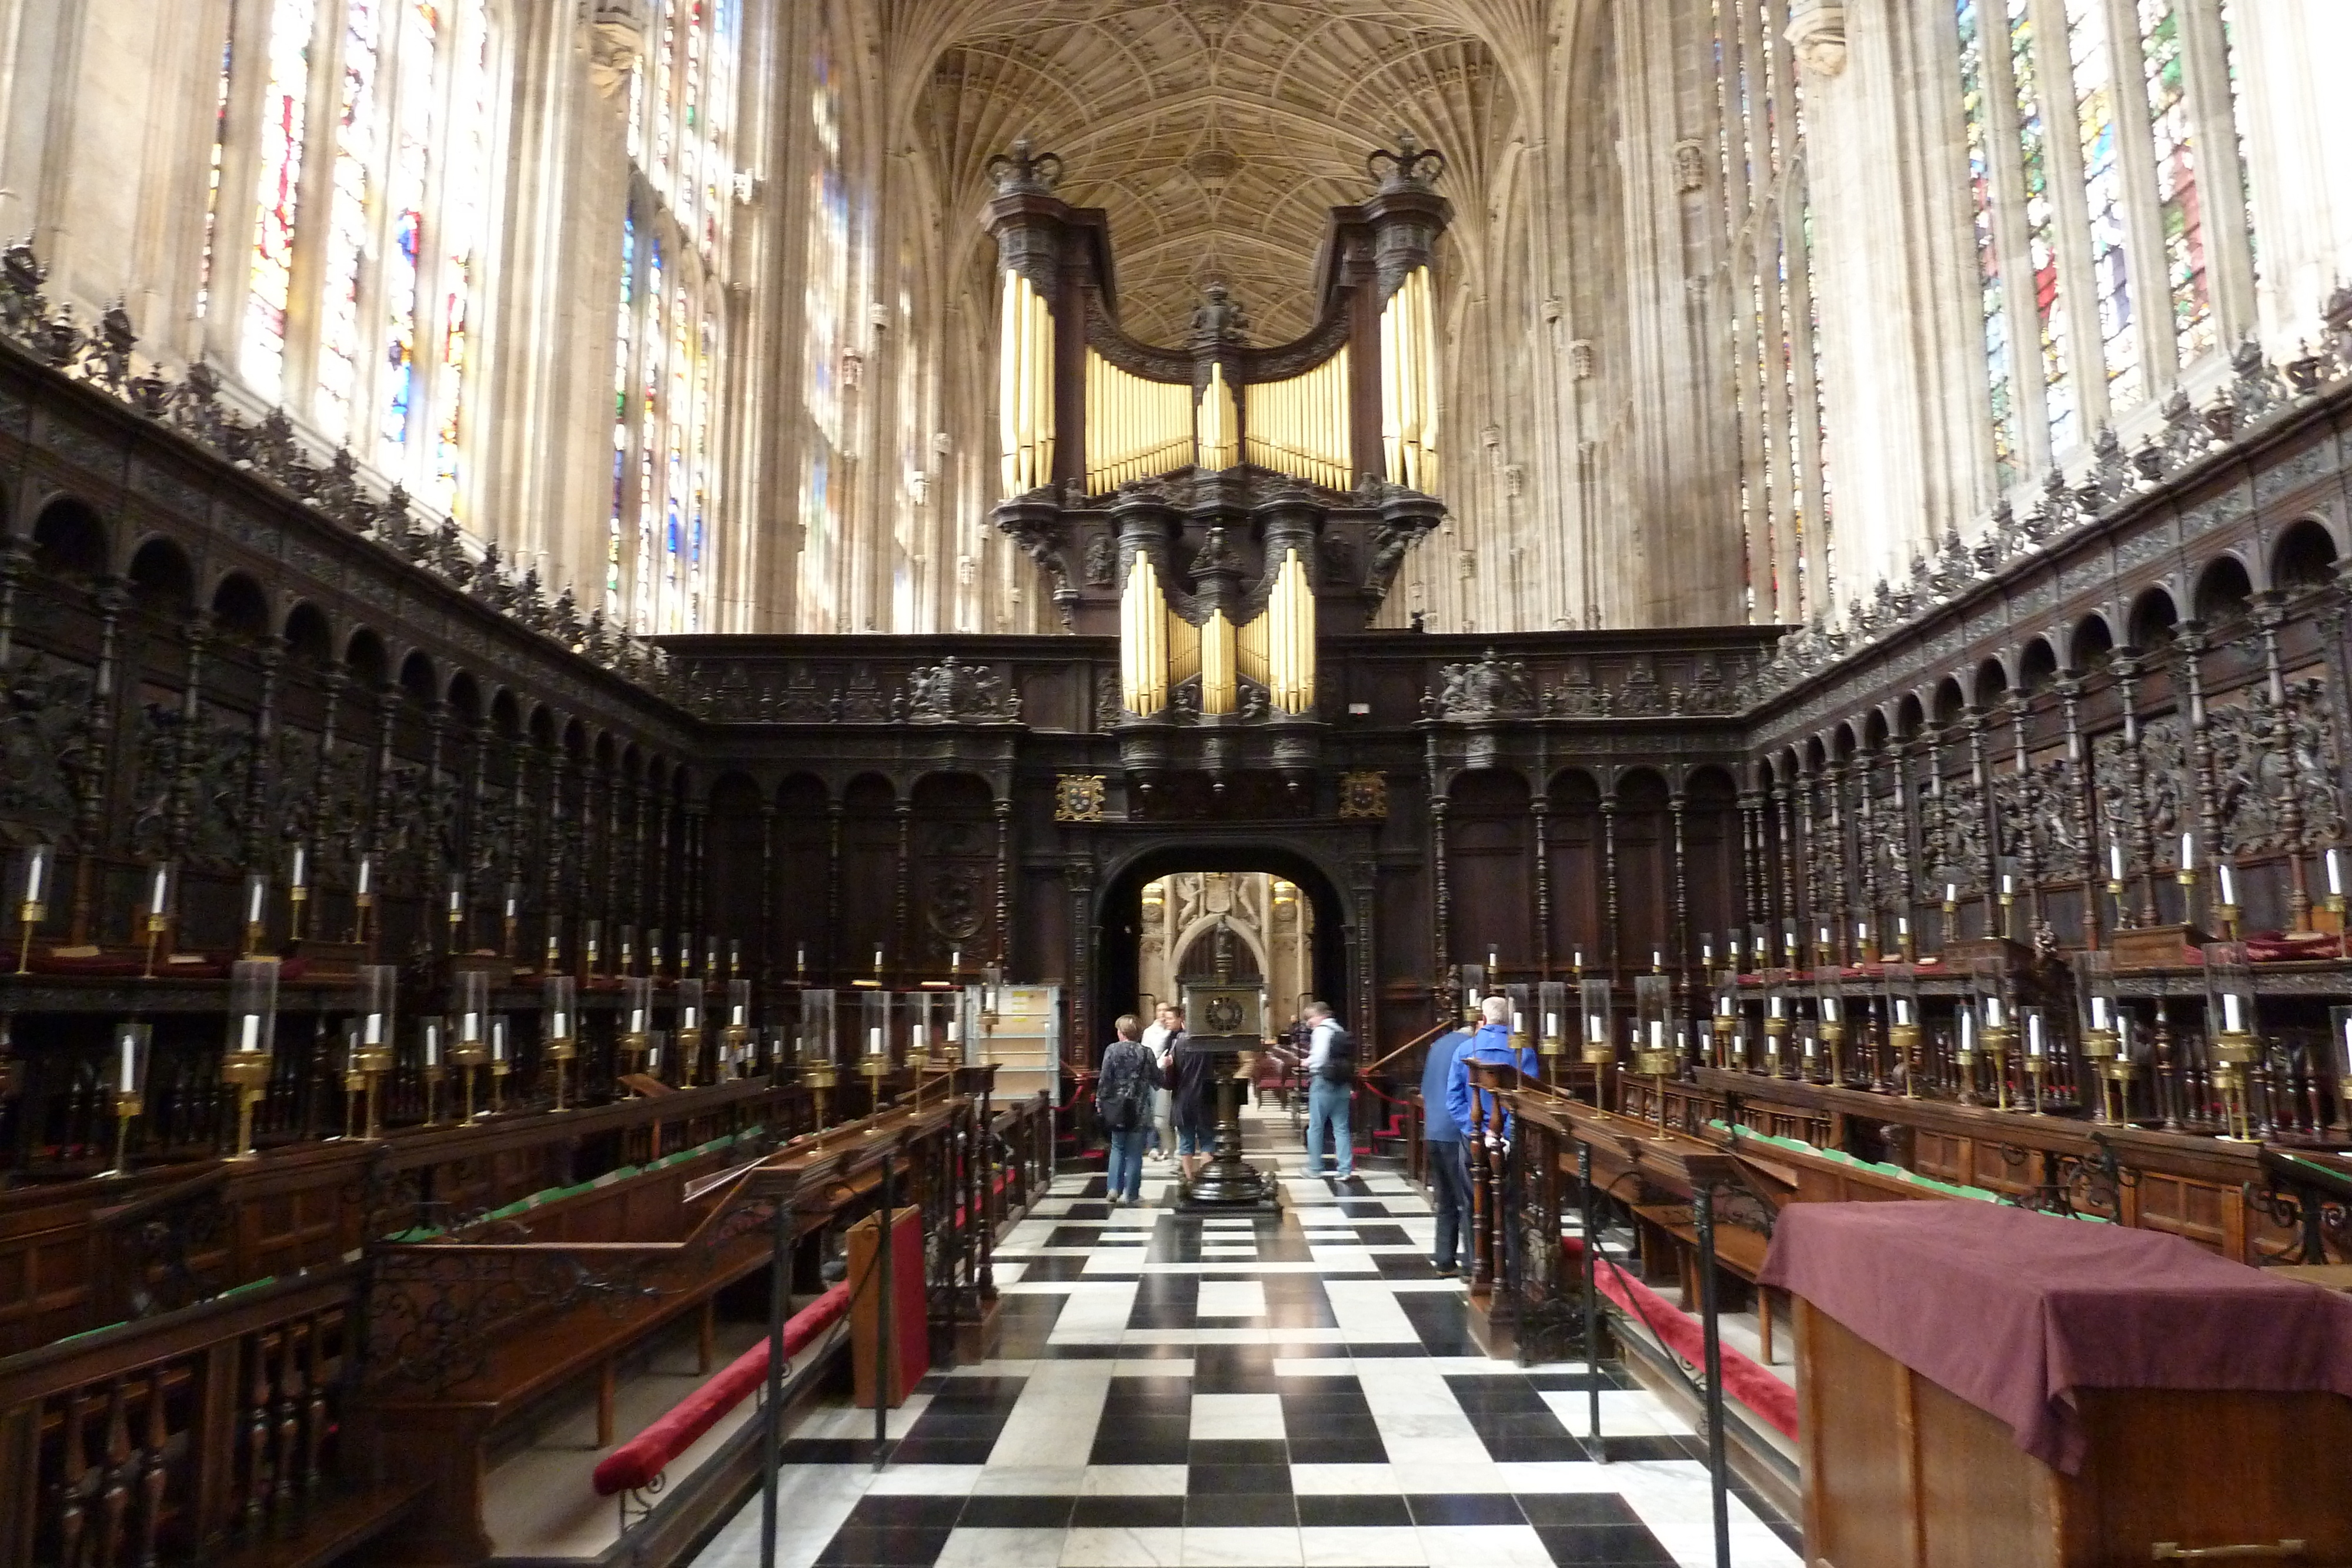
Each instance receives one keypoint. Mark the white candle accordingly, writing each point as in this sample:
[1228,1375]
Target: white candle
[1861,931]
[1706,954]
[1829,1010]
[1808,1048]
[2114,863]
[955,1031]
[1951,893]
[653,1057]
[253,902]
[877,960]
[1492,962]
[2347,1039]
[562,1028]
[432,1045]
[2335,876]
[250,1038]
[689,1017]
[1992,1012]
[1592,1026]
[637,1021]
[2230,1016]
[2007,885]
[1903,1011]
[1657,959]
[1903,925]
[510,906]
[457,892]
[873,1041]
[129,1082]
[1657,1035]
[1518,1025]
[162,886]
[2098,1012]
[1968,1029]
[800,956]
[1576,959]
[1772,1005]
[367,870]
[2229,885]
[1825,936]
[497,1039]
[472,1029]
[2187,851]
[37,871]
[2033,1034]
[1723,1004]
[1551,1026]
[299,861]
[736,1019]
[955,960]
[372,1032]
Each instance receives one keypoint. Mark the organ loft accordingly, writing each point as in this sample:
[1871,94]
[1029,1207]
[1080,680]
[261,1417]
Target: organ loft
[1115,782]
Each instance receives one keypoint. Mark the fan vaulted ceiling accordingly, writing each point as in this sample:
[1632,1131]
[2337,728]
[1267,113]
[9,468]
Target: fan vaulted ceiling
[1216,132]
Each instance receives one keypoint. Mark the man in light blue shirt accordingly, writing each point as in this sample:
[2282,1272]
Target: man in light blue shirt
[1491,1046]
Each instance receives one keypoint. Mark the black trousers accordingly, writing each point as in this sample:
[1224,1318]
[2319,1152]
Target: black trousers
[1449,1195]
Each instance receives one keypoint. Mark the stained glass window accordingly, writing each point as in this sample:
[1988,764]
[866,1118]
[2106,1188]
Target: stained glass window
[359,137]
[1992,305]
[2178,200]
[2097,125]
[465,216]
[403,259]
[2050,301]
[213,179]
[284,111]
[664,474]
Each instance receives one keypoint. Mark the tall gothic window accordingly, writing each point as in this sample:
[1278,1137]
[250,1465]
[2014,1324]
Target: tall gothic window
[1784,477]
[669,331]
[2109,208]
[372,288]
[826,318]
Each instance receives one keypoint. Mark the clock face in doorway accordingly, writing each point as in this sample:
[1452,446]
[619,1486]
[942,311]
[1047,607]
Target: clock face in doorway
[1224,1013]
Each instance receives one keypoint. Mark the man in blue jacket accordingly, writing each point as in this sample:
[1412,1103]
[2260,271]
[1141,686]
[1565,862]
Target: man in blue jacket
[1490,1046]
[1441,1136]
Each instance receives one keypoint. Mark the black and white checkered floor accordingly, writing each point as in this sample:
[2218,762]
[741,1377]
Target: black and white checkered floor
[1280,1394]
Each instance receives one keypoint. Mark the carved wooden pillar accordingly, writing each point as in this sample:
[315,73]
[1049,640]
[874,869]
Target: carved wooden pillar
[560,828]
[2192,645]
[320,825]
[1809,903]
[664,805]
[1609,872]
[1079,876]
[1752,865]
[1903,845]
[832,814]
[1865,844]
[1833,777]
[16,560]
[198,634]
[640,914]
[387,719]
[2138,834]
[1441,946]
[1539,806]
[1003,807]
[1788,907]
[697,897]
[2077,806]
[472,847]
[97,738]
[1675,803]
[1988,818]
[901,938]
[766,962]
[1367,876]
[2269,614]
[432,875]
[2028,803]
[615,790]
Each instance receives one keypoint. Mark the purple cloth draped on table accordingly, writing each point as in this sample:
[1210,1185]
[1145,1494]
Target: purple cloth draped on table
[2013,1311]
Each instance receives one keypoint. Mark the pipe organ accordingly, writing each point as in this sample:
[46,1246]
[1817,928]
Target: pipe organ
[1408,381]
[1219,501]
[1300,426]
[1135,428]
[1025,387]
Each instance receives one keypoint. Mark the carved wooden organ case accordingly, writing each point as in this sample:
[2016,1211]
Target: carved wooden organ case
[1219,504]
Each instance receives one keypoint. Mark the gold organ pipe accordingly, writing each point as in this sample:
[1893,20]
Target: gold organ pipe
[1409,374]
[1143,641]
[1217,684]
[1135,428]
[1300,426]
[1008,385]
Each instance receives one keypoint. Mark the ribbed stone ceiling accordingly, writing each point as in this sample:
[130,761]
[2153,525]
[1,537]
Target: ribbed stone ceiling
[1216,133]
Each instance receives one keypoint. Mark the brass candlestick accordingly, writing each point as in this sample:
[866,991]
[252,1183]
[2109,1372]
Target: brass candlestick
[1904,1039]
[29,915]
[436,1074]
[2099,1050]
[247,1072]
[2234,1055]
[1996,1049]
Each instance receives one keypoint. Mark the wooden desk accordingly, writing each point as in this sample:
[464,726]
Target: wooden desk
[1901,1474]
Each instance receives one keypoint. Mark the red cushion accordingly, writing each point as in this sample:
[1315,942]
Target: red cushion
[1773,1401]
[646,1455]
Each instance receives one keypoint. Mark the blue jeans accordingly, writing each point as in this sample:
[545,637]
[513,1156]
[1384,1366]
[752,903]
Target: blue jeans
[1123,1170]
[1327,1106]
[1449,1197]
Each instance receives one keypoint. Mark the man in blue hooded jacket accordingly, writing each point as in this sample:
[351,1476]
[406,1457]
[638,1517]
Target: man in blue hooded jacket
[1441,1137]
[1491,1046]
